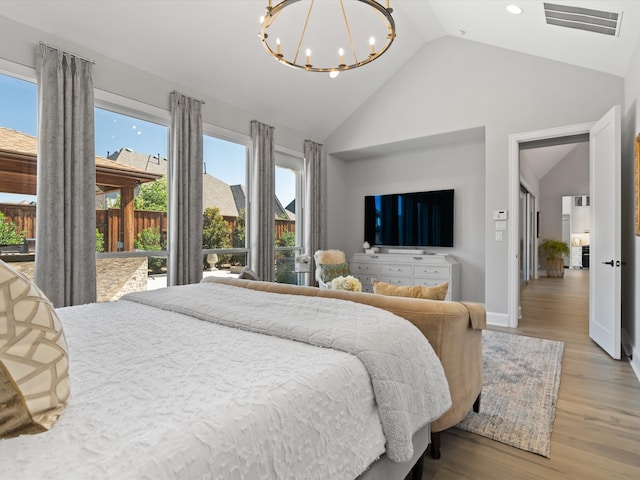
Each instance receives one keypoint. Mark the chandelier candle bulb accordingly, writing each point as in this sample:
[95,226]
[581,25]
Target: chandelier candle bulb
[279,52]
[372,43]
[308,57]
[341,53]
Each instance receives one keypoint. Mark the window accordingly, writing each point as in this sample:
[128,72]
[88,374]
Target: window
[224,201]
[18,151]
[131,204]
[288,221]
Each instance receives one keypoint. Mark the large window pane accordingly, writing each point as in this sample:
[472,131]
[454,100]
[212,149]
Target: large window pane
[224,200]
[131,204]
[288,238]
[18,151]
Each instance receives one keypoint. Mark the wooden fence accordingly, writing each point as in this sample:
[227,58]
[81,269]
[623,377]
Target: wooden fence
[109,223]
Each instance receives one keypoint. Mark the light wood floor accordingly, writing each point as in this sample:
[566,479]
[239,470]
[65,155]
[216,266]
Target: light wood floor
[596,433]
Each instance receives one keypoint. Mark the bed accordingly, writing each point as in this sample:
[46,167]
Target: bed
[216,381]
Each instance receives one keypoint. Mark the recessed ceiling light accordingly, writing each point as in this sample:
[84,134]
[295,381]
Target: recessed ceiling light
[516,10]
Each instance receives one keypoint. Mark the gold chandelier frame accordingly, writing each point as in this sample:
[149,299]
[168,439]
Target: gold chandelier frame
[272,13]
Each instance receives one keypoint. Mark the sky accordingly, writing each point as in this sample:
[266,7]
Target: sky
[224,160]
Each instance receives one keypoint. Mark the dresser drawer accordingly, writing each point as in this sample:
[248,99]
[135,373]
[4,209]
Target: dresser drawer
[400,281]
[403,269]
[358,269]
[431,271]
[400,270]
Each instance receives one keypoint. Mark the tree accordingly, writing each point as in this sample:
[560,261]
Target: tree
[238,238]
[150,239]
[215,231]
[9,234]
[285,272]
[287,239]
[99,241]
[152,196]
[239,230]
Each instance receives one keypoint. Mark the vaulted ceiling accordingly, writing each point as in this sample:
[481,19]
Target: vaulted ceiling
[213,47]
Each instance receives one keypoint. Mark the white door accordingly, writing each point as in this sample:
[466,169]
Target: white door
[605,264]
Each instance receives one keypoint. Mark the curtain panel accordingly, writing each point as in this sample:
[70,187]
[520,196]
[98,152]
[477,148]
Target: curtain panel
[261,195]
[184,178]
[315,203]
[65,266]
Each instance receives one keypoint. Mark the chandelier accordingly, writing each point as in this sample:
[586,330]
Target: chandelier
[327,36]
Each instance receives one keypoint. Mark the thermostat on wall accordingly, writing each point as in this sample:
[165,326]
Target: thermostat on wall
[499,214]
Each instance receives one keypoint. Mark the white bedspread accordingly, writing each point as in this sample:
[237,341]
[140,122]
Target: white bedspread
[408,380]
[159,395]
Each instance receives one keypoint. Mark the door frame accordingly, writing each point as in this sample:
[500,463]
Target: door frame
[513,272]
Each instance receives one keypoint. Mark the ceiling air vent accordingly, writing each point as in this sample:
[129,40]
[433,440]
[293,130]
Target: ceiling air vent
[598,21]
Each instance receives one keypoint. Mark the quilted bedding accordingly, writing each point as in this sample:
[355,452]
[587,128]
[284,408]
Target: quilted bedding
[159,394]
[408,380]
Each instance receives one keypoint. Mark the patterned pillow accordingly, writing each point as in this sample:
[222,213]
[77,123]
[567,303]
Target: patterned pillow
[438,292]
[34,381]
[329,272]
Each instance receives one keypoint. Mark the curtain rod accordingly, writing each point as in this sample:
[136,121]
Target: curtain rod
[178,93]
[42,43]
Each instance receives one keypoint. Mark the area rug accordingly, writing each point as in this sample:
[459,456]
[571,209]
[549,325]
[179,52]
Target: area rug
[521,381]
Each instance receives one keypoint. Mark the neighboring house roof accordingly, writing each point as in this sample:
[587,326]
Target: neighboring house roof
[291,209]
[239,193]
[292,206]
[230,199]
[216,193]
[148,163]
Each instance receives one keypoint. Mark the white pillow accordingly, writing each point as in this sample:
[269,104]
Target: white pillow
[34,363]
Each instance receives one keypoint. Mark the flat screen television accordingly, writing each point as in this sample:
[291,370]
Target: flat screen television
[418,219]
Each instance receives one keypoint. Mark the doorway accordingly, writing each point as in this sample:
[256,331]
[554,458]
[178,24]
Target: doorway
[529,140]
[605,248]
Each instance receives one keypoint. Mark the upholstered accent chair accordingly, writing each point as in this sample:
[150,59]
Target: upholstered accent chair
[329,265]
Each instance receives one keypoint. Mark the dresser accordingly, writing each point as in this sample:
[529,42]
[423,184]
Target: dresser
[407,269]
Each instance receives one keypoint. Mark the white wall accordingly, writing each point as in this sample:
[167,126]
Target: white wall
[630,242]
[569,177]
[529,179]
[454,84]
[459,166]
[120,79]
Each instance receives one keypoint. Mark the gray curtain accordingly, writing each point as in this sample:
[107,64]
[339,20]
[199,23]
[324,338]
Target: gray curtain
[65,267]
[261,195]
[184,178]
[315,205]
